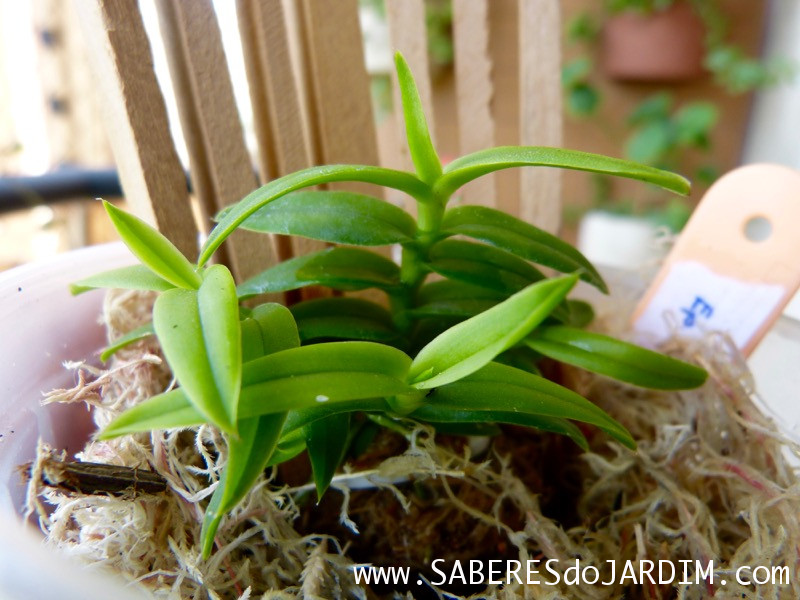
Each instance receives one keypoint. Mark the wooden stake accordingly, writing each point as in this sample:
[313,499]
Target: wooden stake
[341,107]
[221,169]
[540,108]
[136,119]
[474,87]
[278,108]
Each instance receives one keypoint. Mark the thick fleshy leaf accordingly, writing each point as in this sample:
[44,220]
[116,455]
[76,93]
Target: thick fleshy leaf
[129,338]
[521,239]
[580,313]
[448,297]
[248,456]
[364,357]
[326,440]
[343,318]
[329,391]
[135,277]
[468,429]
[339,268]
[468,346]
[170,410]
[219,316]
[433,413]
[153,249]
[252,342]
[445,289]
[615,358]
[298,419]
[333,216]
[520,357]
[482,265]
[505,389]
[405,182]
[420,145]
[278,327]
[199,333]
[465,169]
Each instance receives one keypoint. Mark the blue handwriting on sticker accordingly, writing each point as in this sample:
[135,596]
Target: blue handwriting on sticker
[699,307]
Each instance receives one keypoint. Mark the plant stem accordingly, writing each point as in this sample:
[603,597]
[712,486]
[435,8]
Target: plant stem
[430,211]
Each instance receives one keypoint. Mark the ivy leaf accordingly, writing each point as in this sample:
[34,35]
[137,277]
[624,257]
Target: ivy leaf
[153,249]
[468,346]
[405,182]
[326,440]
[333,216]
[505,389]
[482,265]
[338,268]
[201,338]
[135,277]
[615,358]
[465,169]
[521,239]
[420,145]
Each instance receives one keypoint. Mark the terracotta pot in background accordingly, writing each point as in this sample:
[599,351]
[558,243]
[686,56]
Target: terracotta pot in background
[664,46]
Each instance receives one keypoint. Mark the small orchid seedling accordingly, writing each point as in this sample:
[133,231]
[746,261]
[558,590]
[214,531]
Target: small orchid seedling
[458,351]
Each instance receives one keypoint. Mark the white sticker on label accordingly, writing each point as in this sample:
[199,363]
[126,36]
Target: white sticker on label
[697,300]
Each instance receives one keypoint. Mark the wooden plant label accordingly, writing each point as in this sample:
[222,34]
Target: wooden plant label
[735,266]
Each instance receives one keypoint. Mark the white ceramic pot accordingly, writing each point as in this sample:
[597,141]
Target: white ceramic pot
[618,241]
[42,325]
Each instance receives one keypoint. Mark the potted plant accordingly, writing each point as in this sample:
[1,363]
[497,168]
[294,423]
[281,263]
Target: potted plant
[458,353]
[672,41]
[653,40]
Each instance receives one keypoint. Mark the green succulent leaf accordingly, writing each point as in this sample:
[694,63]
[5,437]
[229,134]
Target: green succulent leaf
[614,358]
[521,239]
[465,169]
[482,265]
[201,338]
[247,458]
[153,249]
[481,429]
[405,182]
[449,298]
[433,413]
[420,146]
[135,277]
[326,440]
[285,452]
[580,313]
[333,216]
[502,388]
[129,338]
[278,327]
[170,410]
[343,318]
[468,346]
[270,328]
[298,419]
[521,357]
[294,379]
[338,268]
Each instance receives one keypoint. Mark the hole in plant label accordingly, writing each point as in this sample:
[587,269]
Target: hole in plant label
[757,229]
